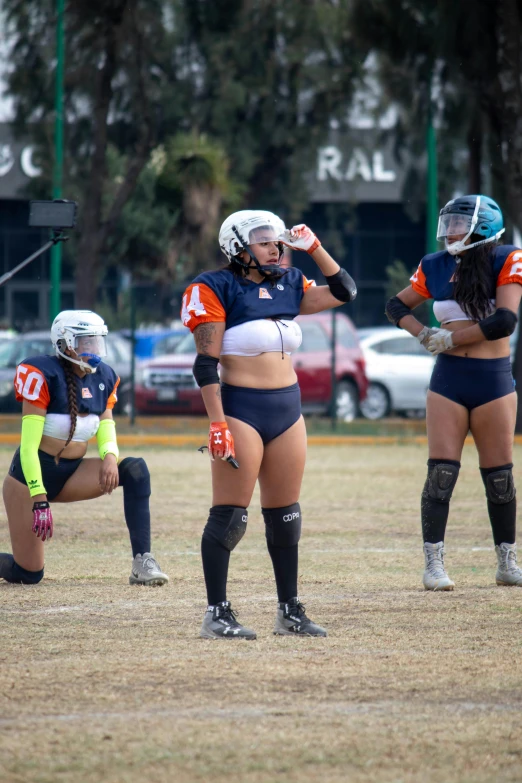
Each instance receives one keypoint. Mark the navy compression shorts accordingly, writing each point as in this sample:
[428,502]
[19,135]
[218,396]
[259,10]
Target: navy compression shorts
[54,476]
[269,411]
[472,382]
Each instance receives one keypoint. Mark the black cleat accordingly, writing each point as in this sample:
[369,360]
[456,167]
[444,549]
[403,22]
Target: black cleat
[291,620]
[220,622]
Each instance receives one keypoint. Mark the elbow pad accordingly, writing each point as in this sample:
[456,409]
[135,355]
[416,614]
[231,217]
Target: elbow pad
[32,431]
[205,370]
[396,309]
[342,286]
[501,324]
[106,439]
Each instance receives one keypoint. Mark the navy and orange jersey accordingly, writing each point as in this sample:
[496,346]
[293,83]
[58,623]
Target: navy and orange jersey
[433,278]
[225,297]
[41,381]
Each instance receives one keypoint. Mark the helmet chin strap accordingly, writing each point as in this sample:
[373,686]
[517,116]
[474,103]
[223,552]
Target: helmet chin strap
[459,247]
[269,272]
[83,365]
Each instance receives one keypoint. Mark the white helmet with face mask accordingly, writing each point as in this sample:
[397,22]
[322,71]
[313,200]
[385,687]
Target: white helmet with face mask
[84,333]
[250,227]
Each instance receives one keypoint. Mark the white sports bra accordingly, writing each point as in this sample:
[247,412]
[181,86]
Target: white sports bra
[57,425]
[449,310]
[262,336]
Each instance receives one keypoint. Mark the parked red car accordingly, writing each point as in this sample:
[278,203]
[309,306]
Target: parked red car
[166,384]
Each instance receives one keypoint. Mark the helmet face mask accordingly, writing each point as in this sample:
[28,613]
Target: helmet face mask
[251,227]
[82,332]
[463,217]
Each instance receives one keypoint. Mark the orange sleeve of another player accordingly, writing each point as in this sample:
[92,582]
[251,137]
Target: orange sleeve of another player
[201,306]
[113,397]
[418,282]
[307,284]
[511,272]
[30,385]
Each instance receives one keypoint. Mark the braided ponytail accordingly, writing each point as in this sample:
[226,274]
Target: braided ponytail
[72,399]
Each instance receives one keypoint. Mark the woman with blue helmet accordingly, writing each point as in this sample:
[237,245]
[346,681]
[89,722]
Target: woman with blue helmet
[476,285]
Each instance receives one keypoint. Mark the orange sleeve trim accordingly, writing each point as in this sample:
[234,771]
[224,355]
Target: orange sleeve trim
[307,284]
[30,385]
[113,397]
[418,283]
[201,305]
[511,272]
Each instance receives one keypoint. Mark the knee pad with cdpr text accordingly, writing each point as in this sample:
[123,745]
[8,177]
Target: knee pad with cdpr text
[226,525]
[441,480]
[134,476]
[283,525]
[500,487]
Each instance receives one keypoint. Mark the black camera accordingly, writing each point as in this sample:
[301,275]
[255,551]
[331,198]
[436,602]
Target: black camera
[53,214]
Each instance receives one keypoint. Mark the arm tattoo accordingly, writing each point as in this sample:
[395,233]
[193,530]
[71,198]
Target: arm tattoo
[203,336]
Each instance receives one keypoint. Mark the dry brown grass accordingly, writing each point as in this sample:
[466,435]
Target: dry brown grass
[105,683]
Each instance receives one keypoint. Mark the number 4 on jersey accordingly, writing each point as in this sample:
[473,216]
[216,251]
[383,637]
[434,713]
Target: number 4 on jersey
[194,306]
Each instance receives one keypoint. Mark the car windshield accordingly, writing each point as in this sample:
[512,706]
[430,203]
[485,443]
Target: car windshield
[187,344]
[13,352]
[168,344]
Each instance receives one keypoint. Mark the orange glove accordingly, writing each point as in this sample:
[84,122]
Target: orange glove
[220,441]
[300,238]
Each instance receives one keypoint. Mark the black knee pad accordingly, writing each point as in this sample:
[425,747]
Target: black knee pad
[441,480]
[500,487]
[226,525]
[283,525]
[12,572]
[134,476]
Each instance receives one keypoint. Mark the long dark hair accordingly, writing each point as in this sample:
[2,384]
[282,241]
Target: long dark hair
[474,284]
[72,399]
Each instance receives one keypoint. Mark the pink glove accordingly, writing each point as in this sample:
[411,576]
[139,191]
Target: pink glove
[300,238]
[42,520]
[220,441]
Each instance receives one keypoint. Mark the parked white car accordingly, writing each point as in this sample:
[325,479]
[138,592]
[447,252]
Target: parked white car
[399,370]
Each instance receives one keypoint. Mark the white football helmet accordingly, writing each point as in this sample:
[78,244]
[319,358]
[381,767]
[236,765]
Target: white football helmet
[83,332]
[245,222]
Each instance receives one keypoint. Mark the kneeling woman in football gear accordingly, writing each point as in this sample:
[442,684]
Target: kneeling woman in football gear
[243,317]
[66,400]
[476,285]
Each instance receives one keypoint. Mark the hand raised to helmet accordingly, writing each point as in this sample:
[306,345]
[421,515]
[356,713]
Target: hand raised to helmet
[300,237]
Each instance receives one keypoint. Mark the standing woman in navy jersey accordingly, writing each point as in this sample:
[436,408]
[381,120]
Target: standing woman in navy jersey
[243,317]
[476,285]
[66,400]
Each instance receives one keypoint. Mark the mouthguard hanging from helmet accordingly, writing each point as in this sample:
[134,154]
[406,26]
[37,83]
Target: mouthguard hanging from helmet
[83,332]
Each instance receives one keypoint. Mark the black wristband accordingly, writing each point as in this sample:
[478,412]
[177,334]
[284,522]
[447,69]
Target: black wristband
[205,371]
[39,504]
[396,309]
[342,286]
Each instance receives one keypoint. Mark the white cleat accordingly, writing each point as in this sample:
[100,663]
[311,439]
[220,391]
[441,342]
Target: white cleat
[435,576]
[508,572]
[146,571]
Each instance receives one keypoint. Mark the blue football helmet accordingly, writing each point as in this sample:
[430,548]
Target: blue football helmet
[467,215]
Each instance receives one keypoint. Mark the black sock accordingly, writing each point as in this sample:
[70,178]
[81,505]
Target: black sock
[285,562]
[215,568]
[502,516]
[434,513]
[135,480]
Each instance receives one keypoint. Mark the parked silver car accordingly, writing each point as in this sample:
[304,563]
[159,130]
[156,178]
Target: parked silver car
[399,370]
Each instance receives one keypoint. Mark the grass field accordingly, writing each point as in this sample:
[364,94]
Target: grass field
[106,683]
